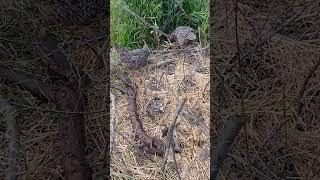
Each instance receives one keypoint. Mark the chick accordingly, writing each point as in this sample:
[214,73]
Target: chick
[183,35]
[134,59]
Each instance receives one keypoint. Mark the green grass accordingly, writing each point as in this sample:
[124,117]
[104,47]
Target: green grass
[129,31]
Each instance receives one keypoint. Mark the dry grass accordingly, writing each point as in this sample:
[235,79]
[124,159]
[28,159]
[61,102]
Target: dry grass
[278,145]
[128,161]
[284,61]
[41,155]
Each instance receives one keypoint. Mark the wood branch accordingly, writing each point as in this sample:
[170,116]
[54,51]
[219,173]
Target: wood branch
[176,148]
[160,64]
[229,134]
[36,88]
[304,87]
[148,144]
[13,138]
[170,132]
[68,98]
[112,122]
[176,165]
[59,67]
[193,49]
[176,142]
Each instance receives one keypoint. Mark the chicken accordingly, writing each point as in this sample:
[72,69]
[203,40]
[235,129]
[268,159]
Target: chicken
[183,35]
[134,59]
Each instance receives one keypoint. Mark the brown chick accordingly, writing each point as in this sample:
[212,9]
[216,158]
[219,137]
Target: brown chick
[134,59]
[183,35]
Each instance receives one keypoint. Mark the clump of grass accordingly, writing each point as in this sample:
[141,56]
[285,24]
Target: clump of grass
[166,15]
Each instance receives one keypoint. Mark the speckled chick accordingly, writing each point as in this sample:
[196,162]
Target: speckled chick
[134,59]
[183,35]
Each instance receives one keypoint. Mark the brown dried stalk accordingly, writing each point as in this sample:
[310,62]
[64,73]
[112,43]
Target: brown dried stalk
[170,133]
[36,88]
[112,123]
[149,144]
[304,87]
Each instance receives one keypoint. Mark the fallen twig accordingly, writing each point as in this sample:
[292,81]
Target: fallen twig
[161,64]
[230,132]
[170,132]
[176,143]
[112,123]
[13,137]
[195,49]
[35,87]
[304,86]
[176,164]
[149,144]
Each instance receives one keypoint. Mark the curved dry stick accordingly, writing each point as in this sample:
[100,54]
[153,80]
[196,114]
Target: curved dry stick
[304,87]
[149,144]
[36,88]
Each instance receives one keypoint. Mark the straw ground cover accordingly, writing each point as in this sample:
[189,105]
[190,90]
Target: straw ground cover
[279,50]
[186,76]
[40,152]
[169,84]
